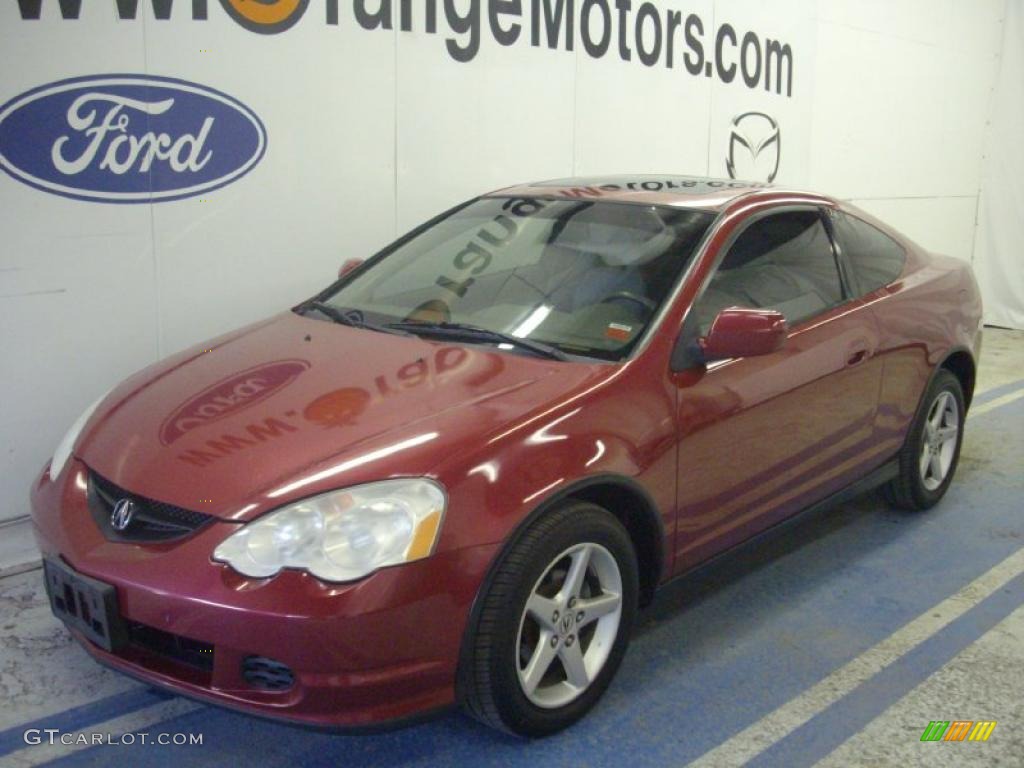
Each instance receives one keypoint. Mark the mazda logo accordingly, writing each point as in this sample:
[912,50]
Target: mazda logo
[122,514]
[755,147]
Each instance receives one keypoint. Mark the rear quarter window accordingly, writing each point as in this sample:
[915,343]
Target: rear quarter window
[875,257]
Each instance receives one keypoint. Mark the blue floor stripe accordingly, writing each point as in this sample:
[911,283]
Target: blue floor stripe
[996,392]
[12,739]
[822,734]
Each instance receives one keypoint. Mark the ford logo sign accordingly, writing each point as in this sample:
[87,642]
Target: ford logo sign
[128,138]
[229,396]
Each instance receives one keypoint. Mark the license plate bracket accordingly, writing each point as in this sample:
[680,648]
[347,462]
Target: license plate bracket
[84,604]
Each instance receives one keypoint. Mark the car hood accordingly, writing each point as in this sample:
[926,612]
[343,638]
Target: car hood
[295,406]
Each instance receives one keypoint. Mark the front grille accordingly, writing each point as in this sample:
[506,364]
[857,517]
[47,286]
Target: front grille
[151,520]
[184,650]
[267,674]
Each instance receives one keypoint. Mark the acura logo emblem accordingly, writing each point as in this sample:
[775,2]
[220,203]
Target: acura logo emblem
[755,147]
[121,516]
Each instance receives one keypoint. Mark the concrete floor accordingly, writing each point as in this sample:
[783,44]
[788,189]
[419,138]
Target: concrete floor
[832,646]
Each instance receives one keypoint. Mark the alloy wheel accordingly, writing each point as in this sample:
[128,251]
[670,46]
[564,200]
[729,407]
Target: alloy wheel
[938,444]
[569,625]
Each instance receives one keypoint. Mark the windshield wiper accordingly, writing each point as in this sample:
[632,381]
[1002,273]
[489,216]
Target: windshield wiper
[332,312]
[344,318]
[473,333]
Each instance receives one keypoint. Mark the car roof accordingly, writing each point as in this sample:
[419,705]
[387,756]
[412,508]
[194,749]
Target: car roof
[653,189]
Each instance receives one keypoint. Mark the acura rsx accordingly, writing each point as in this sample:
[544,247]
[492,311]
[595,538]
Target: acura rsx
[456,473]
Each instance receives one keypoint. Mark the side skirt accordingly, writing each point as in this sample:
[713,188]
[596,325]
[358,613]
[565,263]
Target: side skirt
[869,482]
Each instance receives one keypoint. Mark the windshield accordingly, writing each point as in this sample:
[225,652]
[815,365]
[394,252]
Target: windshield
[582,277]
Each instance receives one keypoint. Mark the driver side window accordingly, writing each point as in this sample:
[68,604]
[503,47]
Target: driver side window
[784,262]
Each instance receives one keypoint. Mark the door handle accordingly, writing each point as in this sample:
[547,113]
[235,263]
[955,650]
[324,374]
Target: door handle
[857,356]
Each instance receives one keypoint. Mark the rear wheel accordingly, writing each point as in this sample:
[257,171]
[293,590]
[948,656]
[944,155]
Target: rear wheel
[928,459]
[554,623]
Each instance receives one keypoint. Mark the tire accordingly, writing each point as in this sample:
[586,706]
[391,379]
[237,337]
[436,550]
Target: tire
[502,681]
[928,459]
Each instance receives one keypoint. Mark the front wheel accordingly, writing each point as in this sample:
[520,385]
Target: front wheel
[554,623]
[929,457]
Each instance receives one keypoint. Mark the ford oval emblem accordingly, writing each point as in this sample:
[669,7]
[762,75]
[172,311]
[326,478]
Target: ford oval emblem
[229,396]
[128,138]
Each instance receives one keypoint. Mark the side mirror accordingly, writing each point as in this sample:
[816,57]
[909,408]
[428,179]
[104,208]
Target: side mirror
[348,266]
[738,332]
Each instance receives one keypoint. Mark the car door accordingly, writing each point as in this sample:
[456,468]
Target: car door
[876,262]
[764,437]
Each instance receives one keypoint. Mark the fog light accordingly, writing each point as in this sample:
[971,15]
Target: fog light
[267,674]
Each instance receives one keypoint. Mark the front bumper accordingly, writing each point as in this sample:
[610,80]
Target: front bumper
[379,650]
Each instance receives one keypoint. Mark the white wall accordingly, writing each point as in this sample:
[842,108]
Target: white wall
[999,240]
[369,132]
[903,94]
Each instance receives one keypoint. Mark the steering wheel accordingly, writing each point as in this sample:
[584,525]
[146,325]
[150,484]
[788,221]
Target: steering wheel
[643,301]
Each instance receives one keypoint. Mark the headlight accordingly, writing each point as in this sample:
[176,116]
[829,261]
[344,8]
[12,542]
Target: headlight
[343,535]
[67,443]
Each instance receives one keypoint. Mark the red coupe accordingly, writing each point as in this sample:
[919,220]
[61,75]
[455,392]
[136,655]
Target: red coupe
[455,474]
